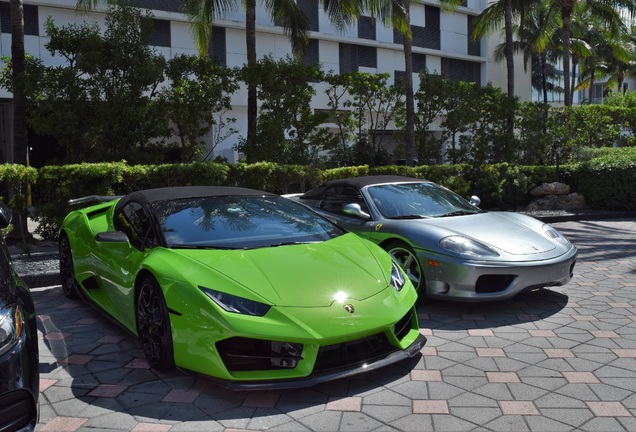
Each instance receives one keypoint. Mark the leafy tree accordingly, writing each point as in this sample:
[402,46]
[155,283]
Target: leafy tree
[100,104]
[287,13]
[375,105]
[195,100]
[287,129]
[489,136]
[432,100]
[462,110]
[533,137]
[340,146]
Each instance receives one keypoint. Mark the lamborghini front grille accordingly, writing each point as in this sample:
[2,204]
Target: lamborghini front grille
[244,354]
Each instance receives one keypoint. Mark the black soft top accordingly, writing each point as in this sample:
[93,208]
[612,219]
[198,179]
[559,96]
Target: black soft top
[149,196]
[358,183]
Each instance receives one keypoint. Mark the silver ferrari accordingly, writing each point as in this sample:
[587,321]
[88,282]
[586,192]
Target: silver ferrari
[450,248]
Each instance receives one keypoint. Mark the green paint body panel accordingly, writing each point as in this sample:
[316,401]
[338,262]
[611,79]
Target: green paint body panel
[307,286]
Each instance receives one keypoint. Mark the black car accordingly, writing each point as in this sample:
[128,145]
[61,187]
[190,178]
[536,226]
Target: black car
[19,362]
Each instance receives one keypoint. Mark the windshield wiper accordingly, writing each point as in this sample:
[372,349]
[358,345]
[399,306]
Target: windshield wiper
[458,213]
[189,246]
[292,243]
[413,216]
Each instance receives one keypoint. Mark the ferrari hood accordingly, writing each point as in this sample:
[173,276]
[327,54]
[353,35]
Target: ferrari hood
[303,275]
[513,235]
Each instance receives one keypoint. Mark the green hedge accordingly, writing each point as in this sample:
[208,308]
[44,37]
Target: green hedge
[607,182]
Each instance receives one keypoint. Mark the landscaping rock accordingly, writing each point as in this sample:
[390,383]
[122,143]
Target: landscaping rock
[554,188]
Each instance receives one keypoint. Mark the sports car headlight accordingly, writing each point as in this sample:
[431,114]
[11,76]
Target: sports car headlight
[467,247]
[554,234]
[235,304]
[10,327]
[397,278]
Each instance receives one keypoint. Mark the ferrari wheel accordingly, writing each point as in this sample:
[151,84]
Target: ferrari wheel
[67,273]
[404,255]
[153,326]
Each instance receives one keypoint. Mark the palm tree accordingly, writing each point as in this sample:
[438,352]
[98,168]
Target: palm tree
[537,42]
[20,128]
[619,68]
[490,20]
[604,10]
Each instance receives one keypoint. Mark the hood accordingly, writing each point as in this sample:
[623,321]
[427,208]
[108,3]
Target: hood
[512,233]
[304,275]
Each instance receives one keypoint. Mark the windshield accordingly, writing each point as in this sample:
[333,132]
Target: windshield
[240,222]
[418,200]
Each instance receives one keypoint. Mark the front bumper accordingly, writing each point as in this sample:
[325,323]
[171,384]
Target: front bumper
[454,279]
[317,378]
[19,387]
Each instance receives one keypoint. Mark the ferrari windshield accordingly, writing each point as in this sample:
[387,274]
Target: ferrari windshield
[240,222]
[418,200]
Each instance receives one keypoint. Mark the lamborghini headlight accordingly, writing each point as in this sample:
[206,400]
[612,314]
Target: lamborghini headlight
[467,247]
[10,327]
[555,235]
[397,277]
[235,304]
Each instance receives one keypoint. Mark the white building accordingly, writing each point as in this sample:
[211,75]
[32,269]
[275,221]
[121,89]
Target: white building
[441,44]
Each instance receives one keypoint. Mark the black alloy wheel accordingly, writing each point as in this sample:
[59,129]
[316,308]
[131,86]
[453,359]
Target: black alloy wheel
[153,326]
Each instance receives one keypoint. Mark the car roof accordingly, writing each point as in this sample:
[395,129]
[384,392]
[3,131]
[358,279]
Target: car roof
[358,183]
[149,196]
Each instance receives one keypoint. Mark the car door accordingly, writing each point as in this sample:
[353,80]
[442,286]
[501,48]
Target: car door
[332,204]
[123,259]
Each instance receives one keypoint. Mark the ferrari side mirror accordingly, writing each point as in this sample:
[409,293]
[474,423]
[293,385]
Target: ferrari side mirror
[355,210]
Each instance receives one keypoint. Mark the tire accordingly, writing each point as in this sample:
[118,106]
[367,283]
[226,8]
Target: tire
[404,255]
[153,326]
[67,272]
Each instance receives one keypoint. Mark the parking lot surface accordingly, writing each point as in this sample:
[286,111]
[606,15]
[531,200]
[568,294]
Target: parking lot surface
[557,359]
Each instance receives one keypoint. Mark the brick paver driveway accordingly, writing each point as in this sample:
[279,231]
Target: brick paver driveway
[557,359]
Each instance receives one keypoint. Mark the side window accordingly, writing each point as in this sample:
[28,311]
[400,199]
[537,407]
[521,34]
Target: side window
[135,222]
[335,198]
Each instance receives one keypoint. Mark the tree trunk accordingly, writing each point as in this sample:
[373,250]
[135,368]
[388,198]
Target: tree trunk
[510,63]
[544,77]
[409,133]
[252,103]
[566,12]
[20,134]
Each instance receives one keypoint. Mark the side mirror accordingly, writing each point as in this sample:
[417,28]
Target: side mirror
[474,200]
[355,210]
[5,215]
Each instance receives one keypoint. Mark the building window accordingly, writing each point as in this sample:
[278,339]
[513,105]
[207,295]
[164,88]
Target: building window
[311,53]
[310,9]
[160,33]
[31,21]
[461,70]
[428,36]
[474,46]
[366,28]
[216,48]
[419,63]
[161,5]
[352,57]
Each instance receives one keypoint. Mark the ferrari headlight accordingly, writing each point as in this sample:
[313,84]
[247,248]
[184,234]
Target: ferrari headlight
[10,327]
[397,277]
[554,234]
[235,304]
[467,247]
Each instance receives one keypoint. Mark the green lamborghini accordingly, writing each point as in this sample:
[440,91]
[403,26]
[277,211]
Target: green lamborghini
[249,288]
